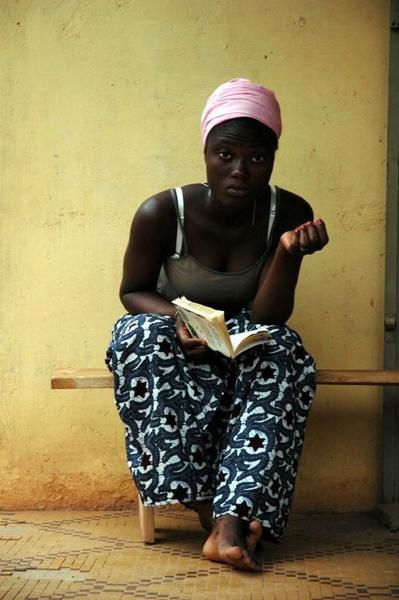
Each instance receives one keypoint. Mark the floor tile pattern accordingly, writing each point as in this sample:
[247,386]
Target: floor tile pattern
[57,555]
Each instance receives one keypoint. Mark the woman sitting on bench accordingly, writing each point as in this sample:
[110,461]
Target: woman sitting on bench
[221,436]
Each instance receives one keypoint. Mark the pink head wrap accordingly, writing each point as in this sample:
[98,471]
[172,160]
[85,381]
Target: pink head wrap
[241,98]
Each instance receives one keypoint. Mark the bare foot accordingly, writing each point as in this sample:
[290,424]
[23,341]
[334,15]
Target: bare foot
[233,541]
[205,514]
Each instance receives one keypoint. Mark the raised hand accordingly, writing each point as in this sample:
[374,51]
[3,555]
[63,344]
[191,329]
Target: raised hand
[308,238]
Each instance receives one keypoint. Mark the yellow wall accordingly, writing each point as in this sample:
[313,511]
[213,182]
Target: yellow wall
[100,108]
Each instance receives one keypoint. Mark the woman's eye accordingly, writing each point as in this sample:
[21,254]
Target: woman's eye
[258,158]
[224,154]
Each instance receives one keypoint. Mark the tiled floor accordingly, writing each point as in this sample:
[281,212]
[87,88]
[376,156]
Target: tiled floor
[56,555]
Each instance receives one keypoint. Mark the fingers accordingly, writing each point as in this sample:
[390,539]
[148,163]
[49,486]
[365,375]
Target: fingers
[312,236]
[197,354]
[194,348]
[185,337]
[321,227]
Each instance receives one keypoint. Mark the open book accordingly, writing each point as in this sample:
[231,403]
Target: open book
[209,324]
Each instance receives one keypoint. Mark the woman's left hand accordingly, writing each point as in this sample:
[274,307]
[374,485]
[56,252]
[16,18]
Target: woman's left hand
[305,239]
[194,348]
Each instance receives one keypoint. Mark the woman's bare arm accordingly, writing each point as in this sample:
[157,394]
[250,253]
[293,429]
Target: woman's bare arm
[152,238]
[151,235]
[274,300]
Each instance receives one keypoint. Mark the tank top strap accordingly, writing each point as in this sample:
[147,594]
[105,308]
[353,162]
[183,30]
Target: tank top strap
[178,201]
[273,212]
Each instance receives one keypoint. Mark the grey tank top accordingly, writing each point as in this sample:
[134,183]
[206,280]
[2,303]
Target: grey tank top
[182,275]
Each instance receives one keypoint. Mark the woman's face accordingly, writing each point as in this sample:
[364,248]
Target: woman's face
[239,160]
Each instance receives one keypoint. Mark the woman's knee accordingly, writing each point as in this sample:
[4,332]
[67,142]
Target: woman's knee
[133,331]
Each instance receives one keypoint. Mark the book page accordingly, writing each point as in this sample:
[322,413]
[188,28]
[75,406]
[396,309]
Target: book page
[208,323]
[198,309]
[246,340]
[208,330]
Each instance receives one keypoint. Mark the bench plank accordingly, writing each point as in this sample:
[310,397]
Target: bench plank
[72,379]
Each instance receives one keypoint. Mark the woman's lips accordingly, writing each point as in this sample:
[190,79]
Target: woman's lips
[237,191]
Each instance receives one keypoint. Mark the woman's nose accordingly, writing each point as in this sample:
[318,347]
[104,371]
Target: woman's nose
[239,168]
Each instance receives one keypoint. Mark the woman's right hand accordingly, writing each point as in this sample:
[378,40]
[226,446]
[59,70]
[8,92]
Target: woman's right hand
[194,348]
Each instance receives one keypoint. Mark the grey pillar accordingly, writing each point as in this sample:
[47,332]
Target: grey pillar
[389,509]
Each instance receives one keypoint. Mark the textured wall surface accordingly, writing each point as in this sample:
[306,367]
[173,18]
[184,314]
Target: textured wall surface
[100,107]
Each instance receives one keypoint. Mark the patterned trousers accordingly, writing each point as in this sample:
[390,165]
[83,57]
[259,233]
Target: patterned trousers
[221,430]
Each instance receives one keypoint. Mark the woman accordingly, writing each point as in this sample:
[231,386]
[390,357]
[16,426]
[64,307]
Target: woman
[223,437]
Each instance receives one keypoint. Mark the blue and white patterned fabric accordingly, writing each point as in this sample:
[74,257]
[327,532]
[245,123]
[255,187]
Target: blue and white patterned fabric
[222,430]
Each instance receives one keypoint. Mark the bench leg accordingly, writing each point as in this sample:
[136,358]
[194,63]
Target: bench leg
[146,520]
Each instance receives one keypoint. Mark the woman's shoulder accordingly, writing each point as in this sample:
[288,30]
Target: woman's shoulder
[156,205]
[158,212]
[294,208]
[161,204]
[292,211]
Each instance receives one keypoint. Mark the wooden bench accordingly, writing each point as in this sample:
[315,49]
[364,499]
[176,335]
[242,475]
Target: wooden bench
[73,379]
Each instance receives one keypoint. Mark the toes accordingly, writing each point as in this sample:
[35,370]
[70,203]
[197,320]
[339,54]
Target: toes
[241,559]
[255,527]
[234,553]
[234,543]
[254,535]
